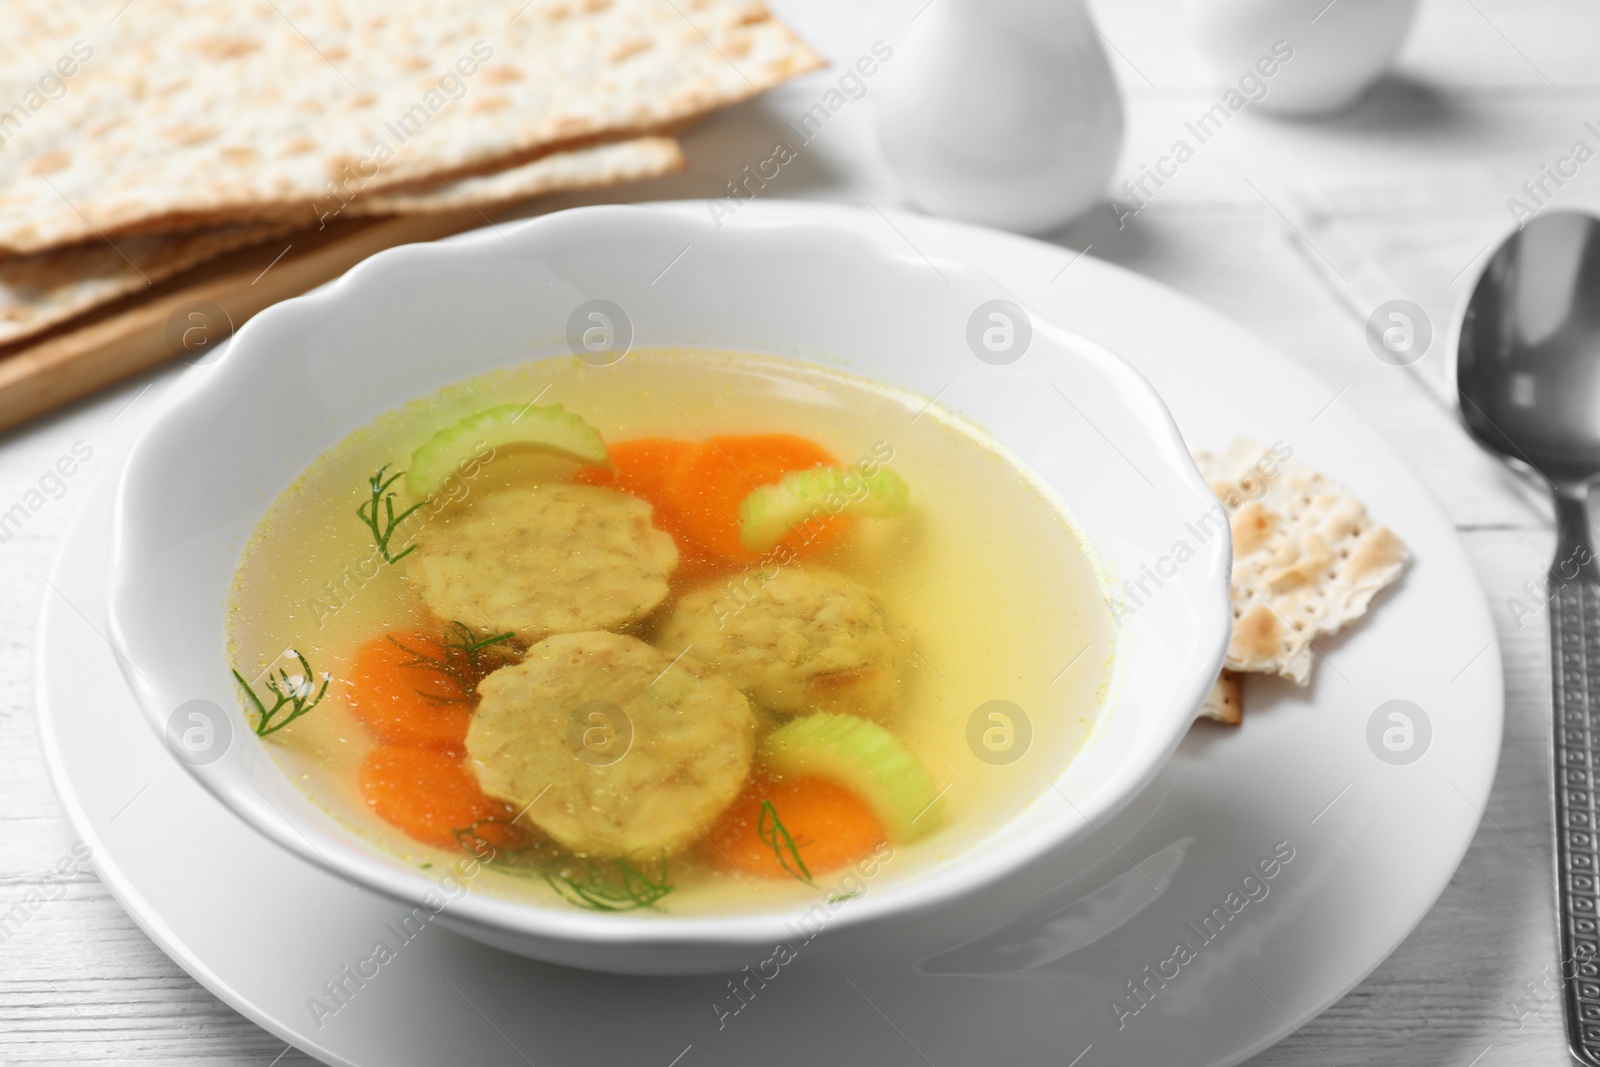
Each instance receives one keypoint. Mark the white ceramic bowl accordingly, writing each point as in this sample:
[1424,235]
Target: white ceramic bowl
[415,318]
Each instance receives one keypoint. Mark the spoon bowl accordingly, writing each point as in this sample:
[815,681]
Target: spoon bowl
[1528,357]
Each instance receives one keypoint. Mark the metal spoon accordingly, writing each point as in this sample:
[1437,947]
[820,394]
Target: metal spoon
[1528,388]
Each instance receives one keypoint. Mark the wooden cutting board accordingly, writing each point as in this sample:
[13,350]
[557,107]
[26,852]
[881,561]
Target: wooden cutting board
[180,317]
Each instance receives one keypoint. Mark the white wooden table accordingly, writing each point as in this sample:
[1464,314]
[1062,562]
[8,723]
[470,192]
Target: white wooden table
[1296,230]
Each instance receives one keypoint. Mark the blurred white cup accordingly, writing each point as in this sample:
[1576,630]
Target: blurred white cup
[1339,48]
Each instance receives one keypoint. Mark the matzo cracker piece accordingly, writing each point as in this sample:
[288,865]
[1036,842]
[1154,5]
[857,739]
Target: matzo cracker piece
[1307,557]
[1225,702]
[586,168]
[44,289]
[187,112]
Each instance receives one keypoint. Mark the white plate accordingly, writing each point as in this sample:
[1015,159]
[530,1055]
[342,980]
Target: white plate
[1374,842]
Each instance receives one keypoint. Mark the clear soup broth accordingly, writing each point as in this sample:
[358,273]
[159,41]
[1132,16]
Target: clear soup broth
[789,636]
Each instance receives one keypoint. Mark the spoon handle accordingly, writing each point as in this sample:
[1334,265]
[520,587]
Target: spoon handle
[1575,688]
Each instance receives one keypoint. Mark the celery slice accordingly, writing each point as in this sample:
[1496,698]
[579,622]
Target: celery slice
[549,426]
[771,511]
[866,758]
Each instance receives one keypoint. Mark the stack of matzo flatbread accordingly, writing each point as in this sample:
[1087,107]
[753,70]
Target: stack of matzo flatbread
[141,141]
[1307,559]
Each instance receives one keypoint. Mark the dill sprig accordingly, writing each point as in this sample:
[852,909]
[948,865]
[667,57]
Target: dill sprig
[463,661]
[770,829]
[292,691]
[610,884]
[383,500]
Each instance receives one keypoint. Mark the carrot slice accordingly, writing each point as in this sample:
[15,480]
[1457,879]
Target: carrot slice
[404,703]
[643,468]
[640,466]
[829,825]
[708,484]
[427,794]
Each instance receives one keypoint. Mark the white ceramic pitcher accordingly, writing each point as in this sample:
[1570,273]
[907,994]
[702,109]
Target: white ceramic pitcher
[1002,112]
